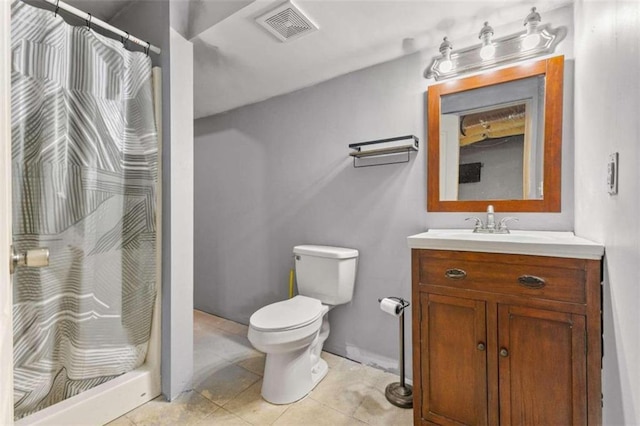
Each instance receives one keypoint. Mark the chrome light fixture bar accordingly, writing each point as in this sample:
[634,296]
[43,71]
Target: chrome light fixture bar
[534,41]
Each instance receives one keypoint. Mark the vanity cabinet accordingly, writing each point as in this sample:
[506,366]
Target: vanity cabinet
[505,339]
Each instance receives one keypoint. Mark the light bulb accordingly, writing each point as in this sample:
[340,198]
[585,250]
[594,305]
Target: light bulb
[531,22]
[487,51]
[531,41]
[445,65]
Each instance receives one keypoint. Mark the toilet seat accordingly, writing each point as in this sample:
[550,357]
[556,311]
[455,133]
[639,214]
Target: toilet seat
[290,314]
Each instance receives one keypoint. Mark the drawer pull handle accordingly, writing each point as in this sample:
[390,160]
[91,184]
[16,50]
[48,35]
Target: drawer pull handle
[531,281]
[455,274]
[481,346]
[504,352]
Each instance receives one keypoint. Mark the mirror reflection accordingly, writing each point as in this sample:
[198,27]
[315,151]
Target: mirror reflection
[492,142]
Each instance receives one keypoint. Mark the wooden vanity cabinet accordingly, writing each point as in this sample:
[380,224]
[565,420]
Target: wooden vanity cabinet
[505,339]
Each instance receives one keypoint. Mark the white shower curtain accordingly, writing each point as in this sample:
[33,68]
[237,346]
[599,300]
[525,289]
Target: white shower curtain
[84,159]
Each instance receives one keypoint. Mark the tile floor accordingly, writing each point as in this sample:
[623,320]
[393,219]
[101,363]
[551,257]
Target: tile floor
[227,381]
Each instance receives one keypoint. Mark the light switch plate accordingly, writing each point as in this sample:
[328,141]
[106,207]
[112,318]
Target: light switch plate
[612,174]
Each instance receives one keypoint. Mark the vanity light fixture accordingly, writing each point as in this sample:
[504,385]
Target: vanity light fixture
[531,22]
[488,50]
[535,40]
[445,64]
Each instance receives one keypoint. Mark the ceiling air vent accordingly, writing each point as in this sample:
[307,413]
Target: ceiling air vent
[286,22]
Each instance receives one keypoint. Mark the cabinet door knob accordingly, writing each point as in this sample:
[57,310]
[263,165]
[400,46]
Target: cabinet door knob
[504,352]
[531,281]
[455,274]
[481,346]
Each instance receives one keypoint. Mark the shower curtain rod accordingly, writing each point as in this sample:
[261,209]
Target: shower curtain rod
[100,23]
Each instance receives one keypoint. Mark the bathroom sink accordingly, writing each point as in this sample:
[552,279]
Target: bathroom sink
[537,243]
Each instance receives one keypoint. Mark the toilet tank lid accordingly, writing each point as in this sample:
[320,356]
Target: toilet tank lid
[326,251]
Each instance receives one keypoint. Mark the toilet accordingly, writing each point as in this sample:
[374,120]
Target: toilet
[292,332]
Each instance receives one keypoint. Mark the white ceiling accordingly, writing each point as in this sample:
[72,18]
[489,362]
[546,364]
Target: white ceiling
[238,63]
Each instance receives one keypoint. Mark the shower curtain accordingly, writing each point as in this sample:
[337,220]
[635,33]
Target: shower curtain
[84,159]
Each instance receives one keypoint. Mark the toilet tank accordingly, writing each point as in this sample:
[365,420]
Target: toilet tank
[326,273]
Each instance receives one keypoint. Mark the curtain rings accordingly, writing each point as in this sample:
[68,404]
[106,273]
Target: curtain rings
[55,12]
[88,21]
[124,41]
[146,49]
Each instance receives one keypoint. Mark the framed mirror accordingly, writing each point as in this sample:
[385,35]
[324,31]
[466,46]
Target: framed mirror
[496,138]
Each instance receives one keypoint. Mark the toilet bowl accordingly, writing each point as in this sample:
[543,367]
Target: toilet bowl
[292,332]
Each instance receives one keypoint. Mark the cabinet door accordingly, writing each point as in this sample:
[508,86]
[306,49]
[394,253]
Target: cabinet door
[542,367]
[454,360]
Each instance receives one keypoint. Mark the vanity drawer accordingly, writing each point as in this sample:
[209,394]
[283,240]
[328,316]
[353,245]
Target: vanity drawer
[552,282]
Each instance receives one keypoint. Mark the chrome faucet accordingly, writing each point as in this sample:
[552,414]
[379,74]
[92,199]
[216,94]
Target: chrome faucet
[491,222]
[490,227]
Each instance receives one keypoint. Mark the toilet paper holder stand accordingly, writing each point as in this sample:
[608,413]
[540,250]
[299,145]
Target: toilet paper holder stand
[400,394]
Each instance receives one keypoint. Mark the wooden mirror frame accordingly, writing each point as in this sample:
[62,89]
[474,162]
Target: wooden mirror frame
[552,69]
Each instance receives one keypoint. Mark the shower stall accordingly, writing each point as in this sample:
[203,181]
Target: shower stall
[85,120]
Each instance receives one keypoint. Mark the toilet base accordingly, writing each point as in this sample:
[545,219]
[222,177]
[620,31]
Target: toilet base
[288,377]
[318,373]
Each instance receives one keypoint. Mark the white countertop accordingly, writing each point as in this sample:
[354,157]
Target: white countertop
[536,243]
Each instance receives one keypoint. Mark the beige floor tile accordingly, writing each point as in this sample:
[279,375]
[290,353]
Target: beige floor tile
[227,371]
[233,327]
[231,347]
[188,408]
[379,379]
[255,364]
[250,406]
[121,421]
[224,384]
[201,319]
[347,365]
[222,417]
[310,412]
[205,320]
[207,364]
[354,373]
[372,376]
[376,410]
[205,377]
[204,356]
[331,359]
[201,333]
[342,391]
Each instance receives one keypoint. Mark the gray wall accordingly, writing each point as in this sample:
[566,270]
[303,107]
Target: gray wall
[607,111]
[149,20]
[501,171]
[277,173]
[182,229]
